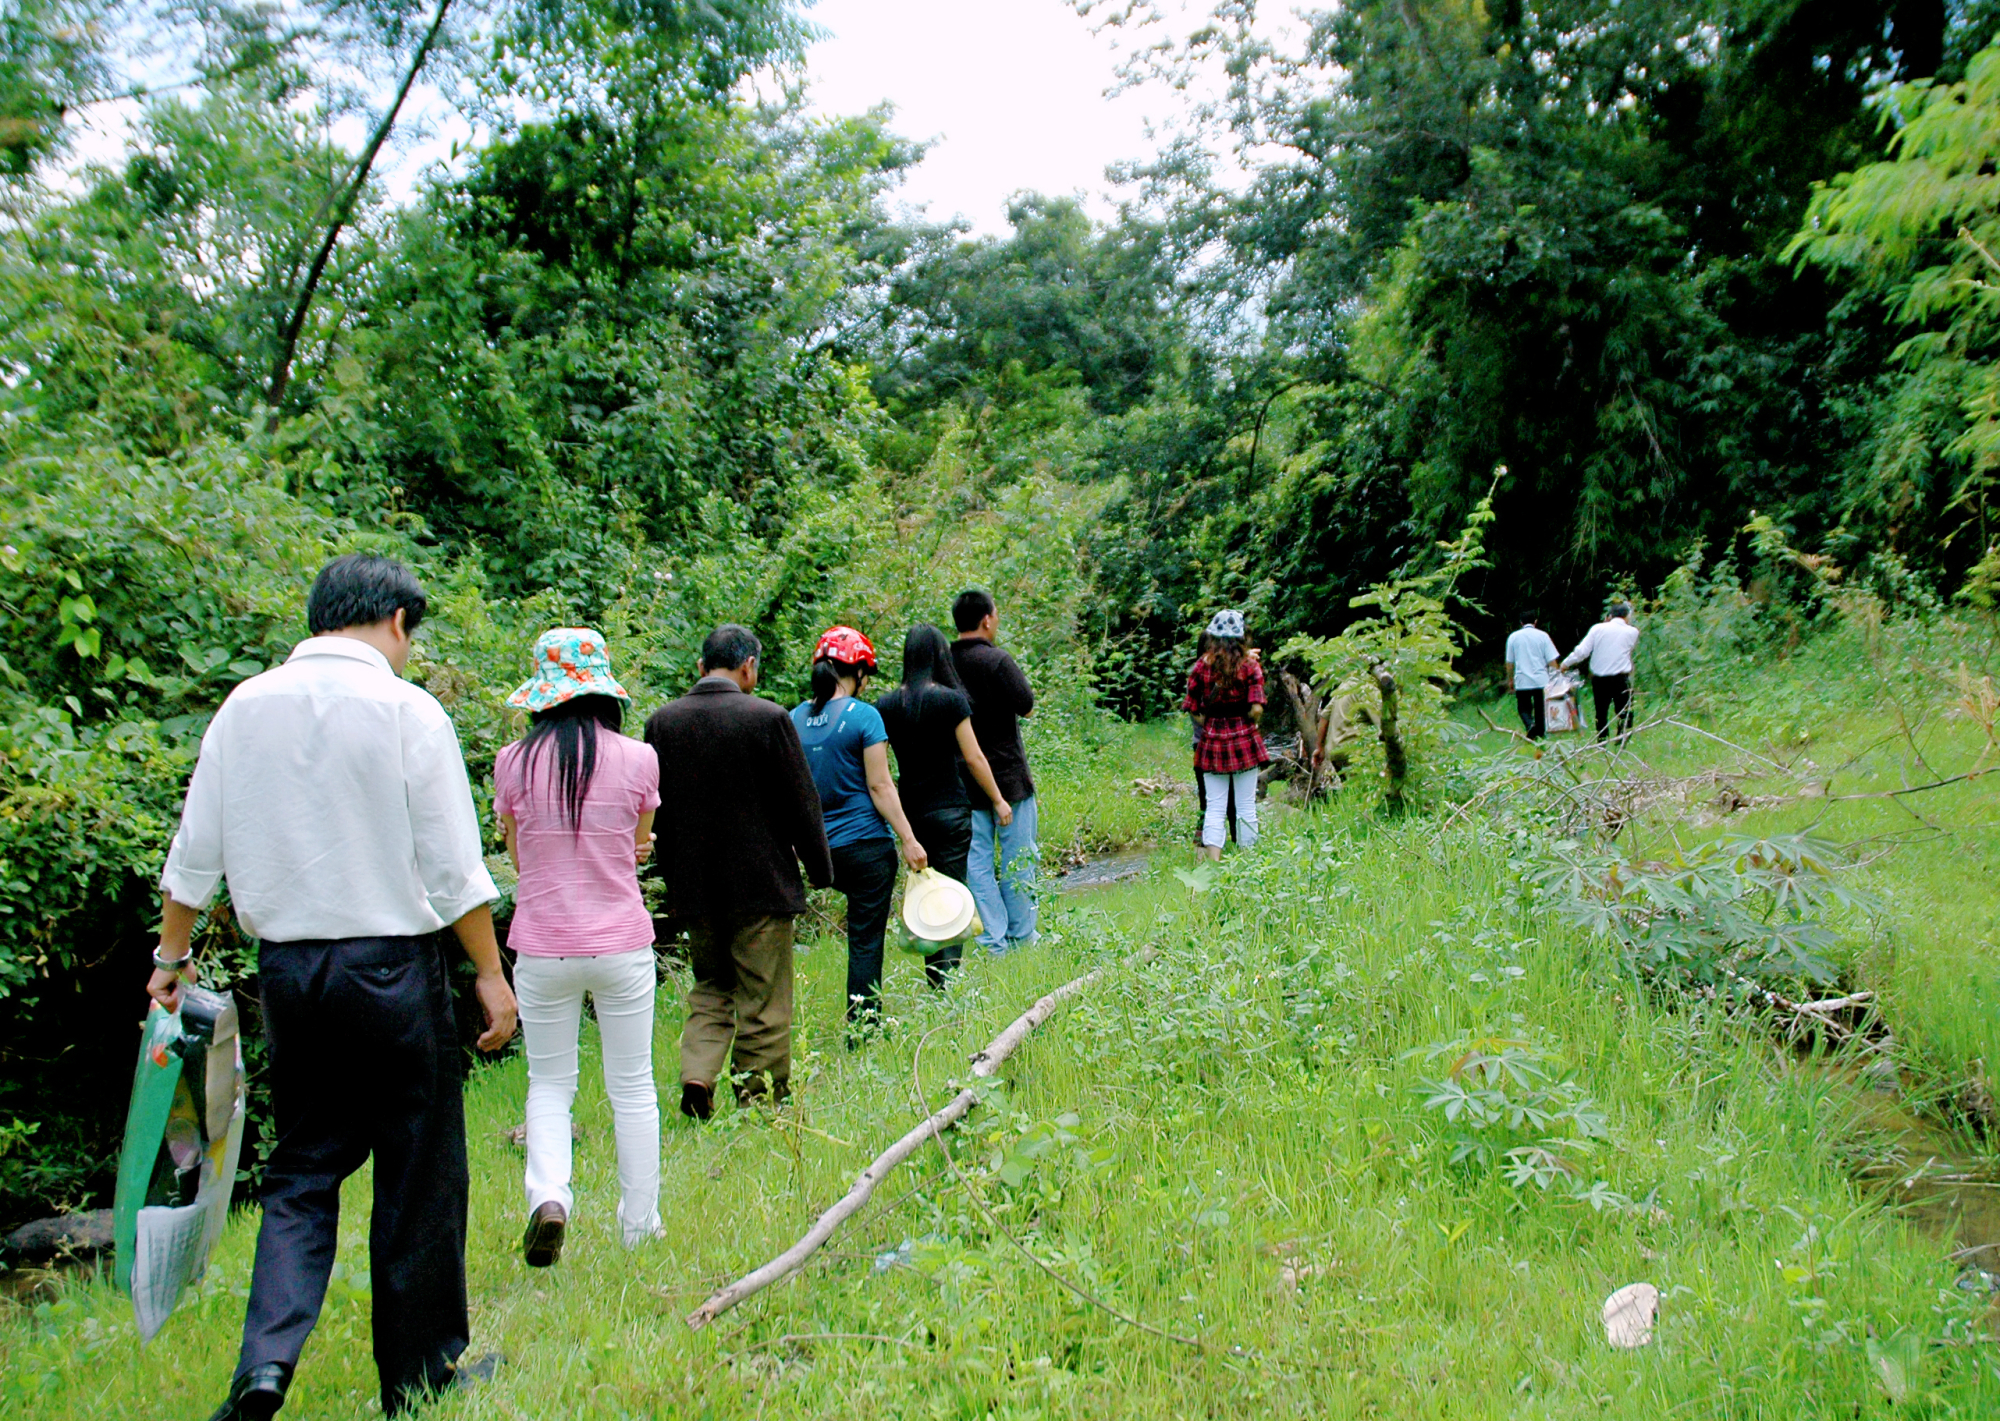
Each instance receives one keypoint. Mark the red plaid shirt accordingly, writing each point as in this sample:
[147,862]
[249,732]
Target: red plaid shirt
[1228,743]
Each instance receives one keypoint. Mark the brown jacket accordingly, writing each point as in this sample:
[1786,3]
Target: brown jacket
[738,812]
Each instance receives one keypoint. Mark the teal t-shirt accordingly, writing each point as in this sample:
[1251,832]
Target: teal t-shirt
[834,740]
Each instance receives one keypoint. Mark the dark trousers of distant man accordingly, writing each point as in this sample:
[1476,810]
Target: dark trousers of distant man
[1611,696]
[739,1009]
[364,1061]
[1533,708]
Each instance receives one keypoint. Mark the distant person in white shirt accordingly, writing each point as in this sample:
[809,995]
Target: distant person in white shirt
[1608,645]
[1530,653]
[331,795]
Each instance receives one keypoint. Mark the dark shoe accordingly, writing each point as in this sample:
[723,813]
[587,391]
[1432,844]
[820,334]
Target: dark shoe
[257,1394]
[753,1091]
[467,1375]
[542,1245]
[697,1100]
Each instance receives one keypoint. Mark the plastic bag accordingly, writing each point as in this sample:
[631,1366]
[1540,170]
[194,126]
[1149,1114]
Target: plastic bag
[177,1168]
[1559,705]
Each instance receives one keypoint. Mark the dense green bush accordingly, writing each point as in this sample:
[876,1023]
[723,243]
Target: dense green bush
[134,593]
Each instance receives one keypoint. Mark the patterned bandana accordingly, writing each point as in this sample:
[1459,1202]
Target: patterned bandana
[569,662]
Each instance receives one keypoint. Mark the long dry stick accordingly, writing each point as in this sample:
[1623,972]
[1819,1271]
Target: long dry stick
[972,1197]
[984,1064]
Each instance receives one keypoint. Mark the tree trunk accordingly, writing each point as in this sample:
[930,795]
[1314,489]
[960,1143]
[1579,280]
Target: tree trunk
[1395,759]
[343,212]
[1306,712]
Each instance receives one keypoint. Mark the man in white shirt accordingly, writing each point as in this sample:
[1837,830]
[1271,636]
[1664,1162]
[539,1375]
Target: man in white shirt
[331,795]
[1608,646]
[1530,653]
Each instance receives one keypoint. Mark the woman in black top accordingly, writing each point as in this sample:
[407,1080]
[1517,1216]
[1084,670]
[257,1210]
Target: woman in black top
[929,720]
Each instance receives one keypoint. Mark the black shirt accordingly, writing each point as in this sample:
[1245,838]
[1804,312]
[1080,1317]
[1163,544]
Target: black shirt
[1000,697]
[924,734]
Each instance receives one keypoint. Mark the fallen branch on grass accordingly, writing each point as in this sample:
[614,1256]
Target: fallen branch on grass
[985,1063]
[1818,1014]
[972,1196]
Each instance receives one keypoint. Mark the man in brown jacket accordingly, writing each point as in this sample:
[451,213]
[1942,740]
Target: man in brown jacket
[738,813]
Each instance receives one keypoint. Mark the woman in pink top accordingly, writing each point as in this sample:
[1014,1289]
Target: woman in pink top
[577,799]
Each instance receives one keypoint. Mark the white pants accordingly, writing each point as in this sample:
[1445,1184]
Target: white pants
[1215,813]
[550,991]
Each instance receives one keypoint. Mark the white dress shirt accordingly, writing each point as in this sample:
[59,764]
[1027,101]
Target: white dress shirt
[332,795]
[1609,646]
[1532,653]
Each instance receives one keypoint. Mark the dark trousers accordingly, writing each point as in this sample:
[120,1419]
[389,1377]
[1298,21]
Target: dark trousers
[946,835]
[1612,696]
[865,874]
[739,1010]
[364,1061]
[1533,709]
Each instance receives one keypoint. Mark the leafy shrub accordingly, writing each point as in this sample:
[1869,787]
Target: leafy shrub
[1394,666]
[1503,1103]
[1727,914]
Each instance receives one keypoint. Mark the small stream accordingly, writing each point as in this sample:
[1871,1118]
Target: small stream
[1927,1174]
[1103,870]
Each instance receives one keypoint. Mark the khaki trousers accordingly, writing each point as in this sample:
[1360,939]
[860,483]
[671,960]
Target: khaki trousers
[740,1008]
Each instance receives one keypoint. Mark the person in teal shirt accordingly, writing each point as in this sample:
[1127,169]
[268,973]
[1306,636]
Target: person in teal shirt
[847,751]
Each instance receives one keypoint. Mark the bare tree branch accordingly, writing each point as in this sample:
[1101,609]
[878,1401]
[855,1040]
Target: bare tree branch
[343,212]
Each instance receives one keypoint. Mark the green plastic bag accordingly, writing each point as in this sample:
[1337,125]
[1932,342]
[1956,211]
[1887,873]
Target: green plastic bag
[177,1168]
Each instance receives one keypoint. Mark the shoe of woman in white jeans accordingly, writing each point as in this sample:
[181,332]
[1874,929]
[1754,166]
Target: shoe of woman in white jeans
[551,991]
[577,800]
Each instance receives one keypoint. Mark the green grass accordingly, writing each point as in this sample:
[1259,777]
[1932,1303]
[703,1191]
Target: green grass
[1846,723]
[1231,1143]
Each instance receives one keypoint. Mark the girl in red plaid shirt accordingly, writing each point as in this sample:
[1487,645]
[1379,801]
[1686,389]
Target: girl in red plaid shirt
[1225,695]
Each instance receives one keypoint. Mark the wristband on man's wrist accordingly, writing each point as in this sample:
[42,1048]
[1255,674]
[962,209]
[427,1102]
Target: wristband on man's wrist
[171,964]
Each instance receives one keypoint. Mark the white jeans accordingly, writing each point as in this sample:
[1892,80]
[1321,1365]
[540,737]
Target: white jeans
[1215,814]
[550,991]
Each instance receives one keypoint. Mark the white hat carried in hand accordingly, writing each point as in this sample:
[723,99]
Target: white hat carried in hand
[937,908]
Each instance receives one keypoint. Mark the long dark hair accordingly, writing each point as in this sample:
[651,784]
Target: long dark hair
[572,729]
[827,675]
[1226,654]
[927,661]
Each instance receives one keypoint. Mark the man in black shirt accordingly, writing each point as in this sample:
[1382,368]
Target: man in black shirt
[1000,697]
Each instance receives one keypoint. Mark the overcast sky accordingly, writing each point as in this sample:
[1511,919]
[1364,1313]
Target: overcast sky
[1009,92]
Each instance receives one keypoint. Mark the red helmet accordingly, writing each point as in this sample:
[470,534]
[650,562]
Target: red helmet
[846,644]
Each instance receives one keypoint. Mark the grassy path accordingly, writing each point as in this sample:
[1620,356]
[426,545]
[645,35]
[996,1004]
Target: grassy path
[1236,1144]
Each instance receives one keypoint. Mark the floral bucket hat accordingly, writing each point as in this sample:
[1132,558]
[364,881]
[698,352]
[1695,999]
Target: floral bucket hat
[569,662]
[1226,624]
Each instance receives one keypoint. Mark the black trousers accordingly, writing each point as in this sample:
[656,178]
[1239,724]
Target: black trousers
[1612,696]
[946,834]
[865,873]
[1533,708]
[364,1061]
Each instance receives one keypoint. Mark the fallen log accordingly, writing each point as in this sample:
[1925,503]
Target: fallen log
[985,1063]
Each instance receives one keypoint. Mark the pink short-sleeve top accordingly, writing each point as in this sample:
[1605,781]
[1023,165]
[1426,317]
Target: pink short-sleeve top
[579,889]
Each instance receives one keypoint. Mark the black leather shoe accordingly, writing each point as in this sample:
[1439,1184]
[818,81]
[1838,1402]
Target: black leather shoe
[257,1394]
[542,1244]
[697,1100]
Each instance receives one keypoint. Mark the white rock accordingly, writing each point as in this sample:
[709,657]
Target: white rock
[1629,1314]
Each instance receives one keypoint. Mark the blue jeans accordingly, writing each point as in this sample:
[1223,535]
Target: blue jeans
[1007,899]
